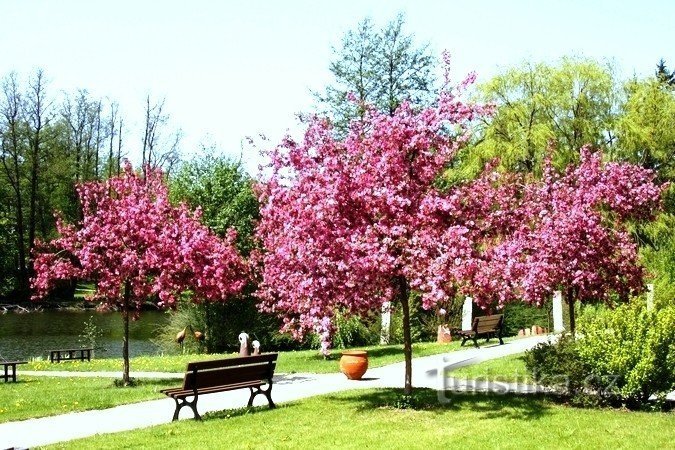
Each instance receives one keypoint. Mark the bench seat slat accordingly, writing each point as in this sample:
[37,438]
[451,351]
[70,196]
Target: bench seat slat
[180,392]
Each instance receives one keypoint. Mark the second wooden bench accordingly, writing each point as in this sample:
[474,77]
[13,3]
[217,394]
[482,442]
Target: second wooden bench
[70,354]
[488,326]
[207,377]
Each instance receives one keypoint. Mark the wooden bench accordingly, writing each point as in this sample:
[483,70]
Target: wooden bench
[70,354]
[488,326]
[207,377]
[10,373]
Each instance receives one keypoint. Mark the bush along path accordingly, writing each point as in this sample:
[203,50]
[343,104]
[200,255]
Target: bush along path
[49,430]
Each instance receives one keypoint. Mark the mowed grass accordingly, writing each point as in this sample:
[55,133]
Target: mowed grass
[41,396]
[508,368]
[304,361]
[368,419]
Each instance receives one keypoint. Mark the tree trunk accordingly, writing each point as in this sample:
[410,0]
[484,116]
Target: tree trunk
[119,148]
[403,293]
[125,340]
[570,304]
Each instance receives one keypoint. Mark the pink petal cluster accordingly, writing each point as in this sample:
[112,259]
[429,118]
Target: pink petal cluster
[130,233]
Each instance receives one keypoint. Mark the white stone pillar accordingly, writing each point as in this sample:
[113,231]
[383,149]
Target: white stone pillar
[385,332]
[467,310]
[558,326]
[650,297]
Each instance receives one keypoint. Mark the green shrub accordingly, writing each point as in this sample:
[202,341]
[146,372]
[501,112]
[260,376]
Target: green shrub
[620,356]
[354,331]
[631,351]
[557,365]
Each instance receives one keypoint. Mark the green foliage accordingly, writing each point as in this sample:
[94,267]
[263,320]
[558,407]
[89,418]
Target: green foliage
[355,331]
[630,350]
[646,128]
[381,67]
[623,355]
[542,107]
[91,334]
[557,364]
[187,317]
[223,191]
[520,315]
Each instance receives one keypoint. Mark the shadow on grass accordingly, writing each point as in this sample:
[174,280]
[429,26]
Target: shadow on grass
[239,412]
[489,405]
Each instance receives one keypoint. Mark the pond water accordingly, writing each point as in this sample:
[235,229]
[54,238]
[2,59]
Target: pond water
[30,335]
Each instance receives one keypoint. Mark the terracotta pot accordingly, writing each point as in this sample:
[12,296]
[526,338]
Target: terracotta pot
[354,363]
[444,335]
[521,333]
[536,329]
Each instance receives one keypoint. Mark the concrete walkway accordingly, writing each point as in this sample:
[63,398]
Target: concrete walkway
[49,430]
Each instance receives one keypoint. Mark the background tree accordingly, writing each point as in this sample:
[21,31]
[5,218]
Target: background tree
[646,127]
[14,156]
[139,248]
[380,68]
[663,74]
[539,106]
[160,151]
[224,192]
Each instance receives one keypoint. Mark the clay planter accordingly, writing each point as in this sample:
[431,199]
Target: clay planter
[354,364]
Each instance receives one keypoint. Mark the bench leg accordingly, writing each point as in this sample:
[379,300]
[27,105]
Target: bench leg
[266,392]
[475,341]
[180,402]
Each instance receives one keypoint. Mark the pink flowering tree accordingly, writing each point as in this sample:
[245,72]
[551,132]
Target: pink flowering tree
[564,232]
[345,223]
[577,239]
[139,248]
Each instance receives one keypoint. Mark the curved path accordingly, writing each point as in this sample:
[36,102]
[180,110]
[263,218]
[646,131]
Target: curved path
[49,430]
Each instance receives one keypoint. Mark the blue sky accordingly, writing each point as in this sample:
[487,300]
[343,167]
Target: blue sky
[231,69]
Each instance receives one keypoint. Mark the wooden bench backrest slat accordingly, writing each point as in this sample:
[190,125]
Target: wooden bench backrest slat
[249,368]
[487,323]
[230,362]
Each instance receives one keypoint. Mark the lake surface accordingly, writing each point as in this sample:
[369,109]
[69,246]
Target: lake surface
[31,335]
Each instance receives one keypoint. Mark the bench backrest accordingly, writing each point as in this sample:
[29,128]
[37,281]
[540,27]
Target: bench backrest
[203,374]
[485,324]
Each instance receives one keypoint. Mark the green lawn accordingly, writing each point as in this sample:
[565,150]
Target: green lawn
[366,419]
[509,368]
[47,396]
[305,361]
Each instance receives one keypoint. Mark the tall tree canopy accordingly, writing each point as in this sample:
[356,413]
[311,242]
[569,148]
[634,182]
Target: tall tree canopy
[380,68]
[137,247]
[539,106]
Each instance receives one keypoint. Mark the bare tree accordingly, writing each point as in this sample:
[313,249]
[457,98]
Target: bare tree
[37,115]
[13,155]
[159,150]
[111,135]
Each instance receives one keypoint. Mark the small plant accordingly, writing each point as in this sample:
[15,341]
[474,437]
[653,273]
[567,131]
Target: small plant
[91,334]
